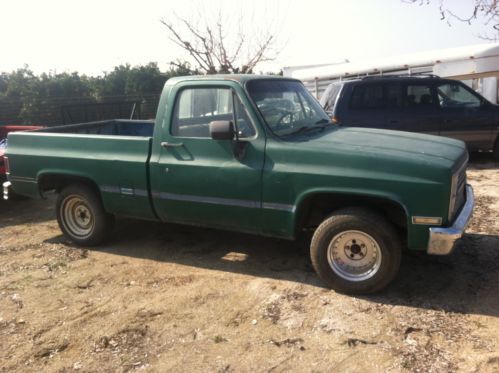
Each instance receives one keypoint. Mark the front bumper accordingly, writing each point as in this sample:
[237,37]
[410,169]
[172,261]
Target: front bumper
[7,188]
[443,240]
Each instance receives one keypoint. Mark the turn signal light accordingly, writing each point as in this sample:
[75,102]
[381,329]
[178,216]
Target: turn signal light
[426,220]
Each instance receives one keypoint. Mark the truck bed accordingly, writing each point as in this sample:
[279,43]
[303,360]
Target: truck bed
[114,154]
[115,127]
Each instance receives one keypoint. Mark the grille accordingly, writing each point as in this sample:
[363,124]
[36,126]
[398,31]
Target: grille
[460,191]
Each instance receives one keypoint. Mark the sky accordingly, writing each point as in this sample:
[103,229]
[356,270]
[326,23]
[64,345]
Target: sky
[93,36]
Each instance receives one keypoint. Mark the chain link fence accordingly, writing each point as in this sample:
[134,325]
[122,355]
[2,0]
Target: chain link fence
[66,110]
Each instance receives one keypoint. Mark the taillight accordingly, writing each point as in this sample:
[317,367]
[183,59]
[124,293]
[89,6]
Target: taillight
[334,120]
[7,167]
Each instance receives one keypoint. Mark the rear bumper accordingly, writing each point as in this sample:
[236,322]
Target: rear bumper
[443,240]
[7,187]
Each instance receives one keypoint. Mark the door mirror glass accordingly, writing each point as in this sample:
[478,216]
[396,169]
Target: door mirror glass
[222,130]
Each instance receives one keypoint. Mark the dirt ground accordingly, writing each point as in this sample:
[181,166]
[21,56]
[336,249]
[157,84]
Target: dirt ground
[169,298]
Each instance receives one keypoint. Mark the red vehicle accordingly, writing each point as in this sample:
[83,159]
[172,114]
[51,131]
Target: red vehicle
[4,130]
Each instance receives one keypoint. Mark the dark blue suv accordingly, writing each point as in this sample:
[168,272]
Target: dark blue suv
[426,104]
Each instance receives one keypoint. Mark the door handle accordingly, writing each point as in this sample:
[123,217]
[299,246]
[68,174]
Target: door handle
[171,145]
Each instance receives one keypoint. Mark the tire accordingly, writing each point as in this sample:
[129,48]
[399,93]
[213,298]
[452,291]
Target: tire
[367,255]
[81,215]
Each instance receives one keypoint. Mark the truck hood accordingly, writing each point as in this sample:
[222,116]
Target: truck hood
[374,154]
[391,144]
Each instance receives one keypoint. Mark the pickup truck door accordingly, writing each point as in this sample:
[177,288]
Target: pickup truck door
[198,180]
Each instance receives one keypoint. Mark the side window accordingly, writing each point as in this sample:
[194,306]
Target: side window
[454,95]
[243,122]
[393,96]
[328,99]
[195,108]
[418,96]
[367,96]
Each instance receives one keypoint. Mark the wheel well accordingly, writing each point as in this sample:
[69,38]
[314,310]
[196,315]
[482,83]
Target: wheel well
[314,209]
[57,182]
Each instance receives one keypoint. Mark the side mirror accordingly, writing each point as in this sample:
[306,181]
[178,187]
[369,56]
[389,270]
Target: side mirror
[222,130]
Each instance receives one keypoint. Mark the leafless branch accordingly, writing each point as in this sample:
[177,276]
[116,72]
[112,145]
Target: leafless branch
[213,50]
[486,11]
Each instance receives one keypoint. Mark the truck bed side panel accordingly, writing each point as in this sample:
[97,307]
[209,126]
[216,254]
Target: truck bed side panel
[116,164]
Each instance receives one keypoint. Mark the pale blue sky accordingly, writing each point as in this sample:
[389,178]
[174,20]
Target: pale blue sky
[92,36]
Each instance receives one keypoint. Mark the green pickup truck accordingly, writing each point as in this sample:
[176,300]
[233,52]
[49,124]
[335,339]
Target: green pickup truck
[255,154]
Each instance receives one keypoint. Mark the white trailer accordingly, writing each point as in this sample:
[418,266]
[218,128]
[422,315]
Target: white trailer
[476,65]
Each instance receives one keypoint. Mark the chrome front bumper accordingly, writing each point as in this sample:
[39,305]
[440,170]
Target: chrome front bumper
[443,240]
[6,189]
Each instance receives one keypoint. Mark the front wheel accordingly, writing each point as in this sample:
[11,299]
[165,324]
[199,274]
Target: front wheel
[81,215]
[355,251]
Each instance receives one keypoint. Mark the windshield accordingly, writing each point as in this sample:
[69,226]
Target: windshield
[286,106]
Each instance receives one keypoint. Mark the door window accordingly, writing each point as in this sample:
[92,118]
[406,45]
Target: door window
[197,107]
[394,96]
[419,96]
[454,95]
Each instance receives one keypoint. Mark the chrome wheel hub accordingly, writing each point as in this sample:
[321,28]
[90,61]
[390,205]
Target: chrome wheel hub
[354,255]
[77,216]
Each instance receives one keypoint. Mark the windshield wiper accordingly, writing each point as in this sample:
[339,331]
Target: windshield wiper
[323,121]
[307,129]
[321,124]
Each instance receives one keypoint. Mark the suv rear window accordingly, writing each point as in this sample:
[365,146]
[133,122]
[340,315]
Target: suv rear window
[328,99]
[391,96]
[377,96]
[367,96]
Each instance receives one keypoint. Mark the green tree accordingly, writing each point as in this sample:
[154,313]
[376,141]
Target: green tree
[29,98]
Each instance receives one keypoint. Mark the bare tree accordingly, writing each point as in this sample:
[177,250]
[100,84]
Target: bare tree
[485,10]
[215,47]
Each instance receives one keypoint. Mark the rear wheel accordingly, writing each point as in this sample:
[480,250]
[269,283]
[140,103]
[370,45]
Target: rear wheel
[81,215]
[355,251]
